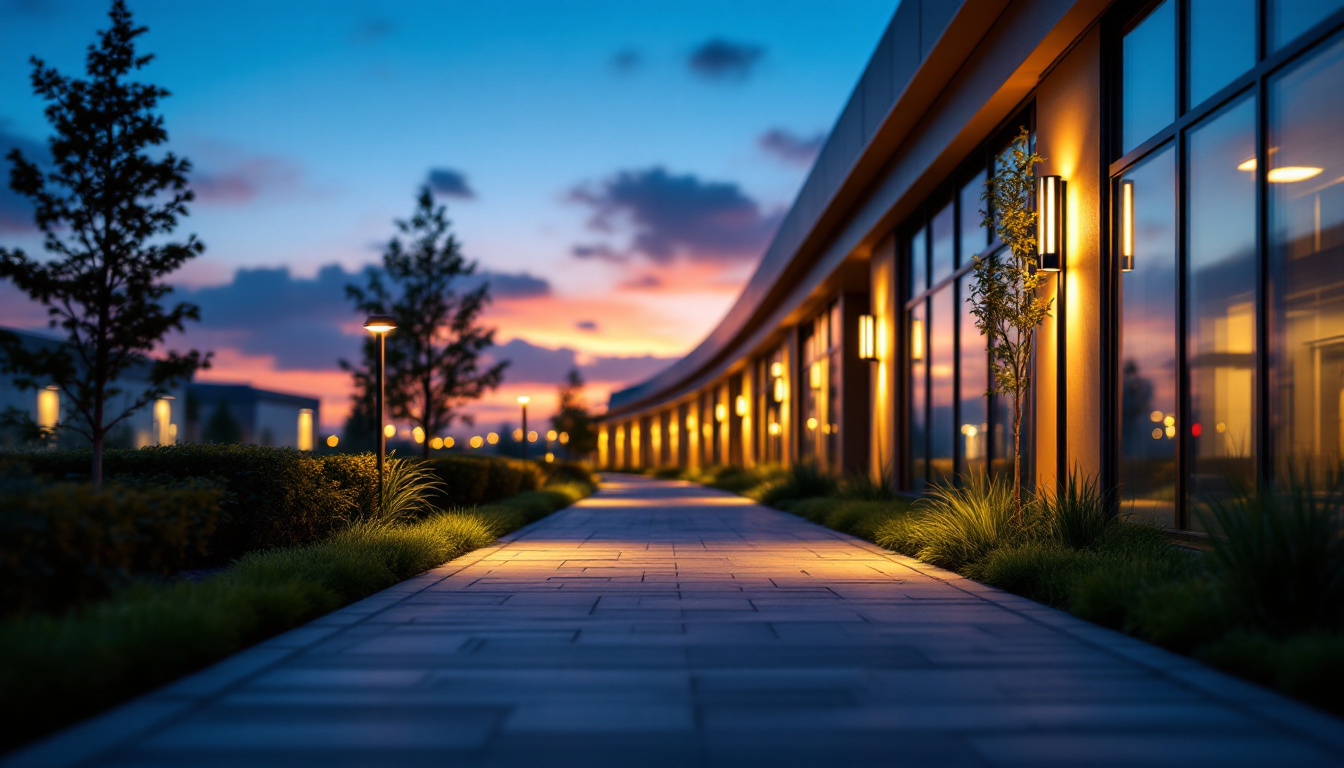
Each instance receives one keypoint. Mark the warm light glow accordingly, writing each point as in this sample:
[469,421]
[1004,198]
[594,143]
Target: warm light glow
[550,457]
[163,419]
[867,337]
[564,436]
[1155,417]
[916,339]
[436,443]
[741,404]
[814,374]
[306,429]
[1247,165]
[970,430]
[517,435]
[1050,223]
[419,434]
[532,436]
[476,441]
[1157,433]
[781,390]
[390,430]
[552,434]
[1171,431]
[524,399]
[449,442]
[774,428]
[811,423]
[1291,173]
[49,407]
[380,324]
[1127,226]
[333,441]
[492,438]
[776,370]
[720,412]
[1170,421]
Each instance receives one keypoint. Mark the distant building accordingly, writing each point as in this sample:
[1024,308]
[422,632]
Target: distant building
[191,412]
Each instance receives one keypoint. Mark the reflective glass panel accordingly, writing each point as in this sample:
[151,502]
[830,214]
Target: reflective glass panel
[1148,336]
[944,257]
[1222,44]
[919,357]
[942,363]
[1221,288]
[1306,196]
[919,264]
[1290,18]
[974,238]
[973,432]
[1149,76]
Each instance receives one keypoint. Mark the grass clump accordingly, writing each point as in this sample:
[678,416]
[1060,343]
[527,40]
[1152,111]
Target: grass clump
[1079,515]
[803,480]
[960,524]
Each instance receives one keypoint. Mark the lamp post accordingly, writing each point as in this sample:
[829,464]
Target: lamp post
[380,326]
[523,400]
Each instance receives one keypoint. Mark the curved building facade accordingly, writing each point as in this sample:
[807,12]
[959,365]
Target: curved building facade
[1196,339]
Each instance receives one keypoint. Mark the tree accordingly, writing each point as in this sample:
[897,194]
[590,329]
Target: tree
[433,357]
[222,426]
[1005,299]
[105,208]
[573,417]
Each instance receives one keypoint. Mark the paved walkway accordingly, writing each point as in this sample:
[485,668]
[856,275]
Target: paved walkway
[661,624]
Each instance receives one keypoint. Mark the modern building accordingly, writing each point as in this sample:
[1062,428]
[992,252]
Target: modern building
[1196,339]
[240,413]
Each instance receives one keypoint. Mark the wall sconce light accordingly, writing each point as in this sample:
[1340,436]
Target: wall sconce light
[814,375]
[916,339]
[867,337]
[741,405]
[775,429]
[1050,223]
[781,390]
[720,412]
[776,370]
[1127,226]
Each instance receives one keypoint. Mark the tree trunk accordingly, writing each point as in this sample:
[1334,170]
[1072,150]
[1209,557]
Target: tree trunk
[1017,455]
[97,472]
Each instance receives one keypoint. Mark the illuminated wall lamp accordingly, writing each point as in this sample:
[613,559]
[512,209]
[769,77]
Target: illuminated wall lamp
[720,412]
[1127,226]
[867,337]
[1050,192]
[814,375]
[741,405]
[916,339]
[781,390]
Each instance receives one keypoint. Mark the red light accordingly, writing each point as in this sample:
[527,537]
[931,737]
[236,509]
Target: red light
[1196,429]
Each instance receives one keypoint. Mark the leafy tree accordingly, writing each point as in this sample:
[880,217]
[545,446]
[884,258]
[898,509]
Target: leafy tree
[433,364]
[222,427]
[106,208]
[573,417]
[1005,299]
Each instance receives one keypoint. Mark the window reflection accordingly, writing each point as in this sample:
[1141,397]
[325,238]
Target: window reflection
[1148,336]
[973,431]
[919,265]
[1222,44]
[1290,18]
[1149,76]
[1307,249]
[918,396]
[942,363]
[974,238]
[1221,288]
[941,229]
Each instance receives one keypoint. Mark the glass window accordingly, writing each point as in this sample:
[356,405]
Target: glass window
[1290,18]
[1306,199]
[1221,291]
[1148,336]
[919,346]
[973,432]
[1149,76]
[1222,44]
[919,264]
[944,255]
[974,238]
[942,364]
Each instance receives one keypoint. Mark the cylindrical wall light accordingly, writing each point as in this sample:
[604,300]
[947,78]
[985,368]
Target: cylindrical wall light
[741,405]
[814,375]
[916,339]
[867,337]
[780,390]
[1050,223]
[1127,226]
[720,412]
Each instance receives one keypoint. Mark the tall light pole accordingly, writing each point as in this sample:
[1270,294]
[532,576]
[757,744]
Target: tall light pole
[523,400]
[380,326]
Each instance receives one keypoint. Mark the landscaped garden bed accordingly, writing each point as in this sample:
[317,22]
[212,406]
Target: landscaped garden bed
[1265,601]
[96,609]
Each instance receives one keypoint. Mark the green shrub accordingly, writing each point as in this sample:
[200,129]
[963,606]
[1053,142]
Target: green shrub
[899,533]
[1043,571]
[1279,556]
[1181,615]
[669,473]
[568,472]
[803,480]
[816,509]
[1110,594]
[1080,515]
[65,543]
[862,518]
[471,480]
[959,524]
[865,487]
[1309,666]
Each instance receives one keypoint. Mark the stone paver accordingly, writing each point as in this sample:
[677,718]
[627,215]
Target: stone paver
[659,623]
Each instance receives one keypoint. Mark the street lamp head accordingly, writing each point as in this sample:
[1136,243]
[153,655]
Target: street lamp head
[380,324]
[524,399]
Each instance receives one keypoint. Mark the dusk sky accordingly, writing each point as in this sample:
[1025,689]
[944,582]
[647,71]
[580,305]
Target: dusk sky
[617,168]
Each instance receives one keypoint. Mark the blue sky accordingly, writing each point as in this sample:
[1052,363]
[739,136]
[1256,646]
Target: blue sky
[618,166]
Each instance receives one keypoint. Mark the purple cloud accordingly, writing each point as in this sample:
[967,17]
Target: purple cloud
[644,282]
[244,179]
[533,364]
[671,216]
[790,147]
[450,183]
[719,59]
[587,325]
